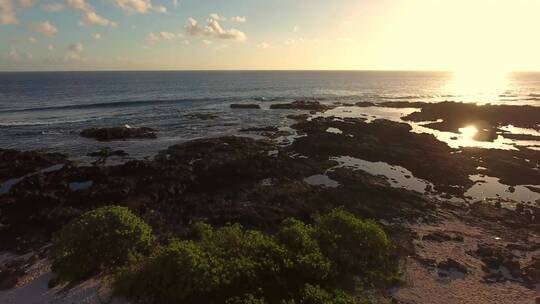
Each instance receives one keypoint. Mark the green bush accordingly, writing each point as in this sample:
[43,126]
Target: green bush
[101,239]
[301,264]
[355,246]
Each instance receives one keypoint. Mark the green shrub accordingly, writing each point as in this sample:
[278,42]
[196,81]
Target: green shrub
[355,246]
[301,264]
[308,261]
[222,264]
[316,295]
[101,239]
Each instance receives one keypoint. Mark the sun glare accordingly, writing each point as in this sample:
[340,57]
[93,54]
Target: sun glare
[468,132]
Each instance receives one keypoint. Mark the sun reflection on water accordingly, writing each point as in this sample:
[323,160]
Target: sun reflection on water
[468,132]
[479,86]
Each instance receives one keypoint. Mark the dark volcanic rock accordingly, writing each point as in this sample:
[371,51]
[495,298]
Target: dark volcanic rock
[439,236]
[219,180]
[486,118]
[389,142]
[16,163]
[119,133]
[302,105]
[245,106]
[260,129]
[451,264]
[364,104]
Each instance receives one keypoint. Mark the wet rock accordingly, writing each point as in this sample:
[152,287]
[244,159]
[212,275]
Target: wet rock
[533,189]
[298,116]
[521,136]
[201,116]
[495,256]
[364,104]
[302,105]
[389,142]
[119,133]
[486,118]
[439,236]
[244,106]
[15,163]
[451,264]
[260,129]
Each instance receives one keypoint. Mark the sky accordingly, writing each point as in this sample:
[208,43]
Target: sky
[456,35]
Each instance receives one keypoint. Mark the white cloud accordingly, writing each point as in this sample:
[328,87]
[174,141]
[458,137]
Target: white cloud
[50,47]
[45,28]
[80,5]
[207,42]
[32,40]
[238,19]
[213,29]
[74,52]
[155,37]
[175,3]
[134,6]
[96,36]
[26,3]
[264,45]
[217,17]
[7,12]
[160,9]
[53,7]
[89,16]
[296,28]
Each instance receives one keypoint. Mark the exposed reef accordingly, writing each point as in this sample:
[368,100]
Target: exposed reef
[119,133]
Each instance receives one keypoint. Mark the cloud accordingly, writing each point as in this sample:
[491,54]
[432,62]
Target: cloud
[175,3]
[74,52]
[296,29]
[32,40]
[53,7]
[264,45]
[96,36]
[45,28]
[7,12]
[89,16]
[155,37]
[213,29]
[50,47]
[134,6]
[80,5]
[26,3]
[160,9]
[238,19]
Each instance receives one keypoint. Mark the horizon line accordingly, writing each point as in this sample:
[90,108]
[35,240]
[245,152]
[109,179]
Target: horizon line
[245,70]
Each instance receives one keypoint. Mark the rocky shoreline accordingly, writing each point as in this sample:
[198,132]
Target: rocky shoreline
[444,243]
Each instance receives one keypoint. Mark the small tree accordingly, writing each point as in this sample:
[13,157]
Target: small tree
[101,239]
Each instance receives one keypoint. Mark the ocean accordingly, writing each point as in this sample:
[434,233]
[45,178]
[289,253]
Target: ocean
[47,110]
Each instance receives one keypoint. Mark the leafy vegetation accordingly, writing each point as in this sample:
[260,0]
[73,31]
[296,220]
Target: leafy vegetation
[102,239]
[301,264]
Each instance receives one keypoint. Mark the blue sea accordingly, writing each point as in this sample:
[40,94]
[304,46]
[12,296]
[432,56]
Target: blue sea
[47,110]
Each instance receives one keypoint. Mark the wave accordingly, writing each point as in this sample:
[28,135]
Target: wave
[115,104]
[44,123]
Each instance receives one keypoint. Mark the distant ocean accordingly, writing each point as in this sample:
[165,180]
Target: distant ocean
[47,110]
